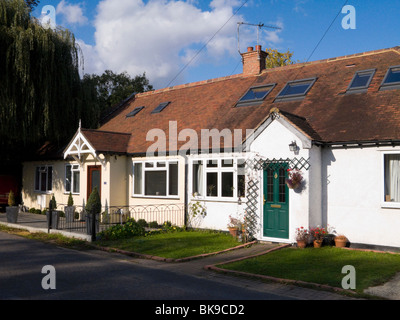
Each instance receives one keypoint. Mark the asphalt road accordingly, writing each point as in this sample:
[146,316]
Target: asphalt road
[96,275]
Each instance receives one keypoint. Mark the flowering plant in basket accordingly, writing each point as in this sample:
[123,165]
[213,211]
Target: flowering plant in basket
[294,179]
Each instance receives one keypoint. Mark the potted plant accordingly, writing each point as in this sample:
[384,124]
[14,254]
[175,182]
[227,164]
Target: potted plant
[341,241]
[69,209]
[318,235]
[93,209]
[12,210]
[52,214]
[294,179]
[302,237]
[233,226]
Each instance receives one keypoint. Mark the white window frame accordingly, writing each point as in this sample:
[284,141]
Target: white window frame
[155,168]
[384,203]
[219,170]
[76,169]
[42,169]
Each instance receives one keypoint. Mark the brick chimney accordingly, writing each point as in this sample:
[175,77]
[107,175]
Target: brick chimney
[253,60]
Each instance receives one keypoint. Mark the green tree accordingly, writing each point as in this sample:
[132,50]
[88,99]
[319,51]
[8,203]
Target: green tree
[278,59]
[32,3]
[114,88]
[42,97]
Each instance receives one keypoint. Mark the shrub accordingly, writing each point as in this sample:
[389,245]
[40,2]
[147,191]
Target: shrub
[11,199]
[153,224]
[94,204]
[142,223]
[70,200]
[122,231]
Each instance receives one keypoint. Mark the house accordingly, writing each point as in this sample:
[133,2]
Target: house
[230,144]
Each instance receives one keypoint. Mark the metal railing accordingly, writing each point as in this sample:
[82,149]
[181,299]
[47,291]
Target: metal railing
[81,221]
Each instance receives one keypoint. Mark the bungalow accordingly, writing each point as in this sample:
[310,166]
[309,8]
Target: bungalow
[231,144]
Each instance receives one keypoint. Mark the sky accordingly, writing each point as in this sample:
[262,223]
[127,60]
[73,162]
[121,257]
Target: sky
[177,42]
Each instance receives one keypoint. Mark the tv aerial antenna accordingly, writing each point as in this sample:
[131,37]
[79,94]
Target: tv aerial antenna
[259,26]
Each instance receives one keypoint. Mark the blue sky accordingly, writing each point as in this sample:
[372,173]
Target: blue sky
[160,37]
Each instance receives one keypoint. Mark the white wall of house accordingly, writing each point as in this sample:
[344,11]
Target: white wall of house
[353,196]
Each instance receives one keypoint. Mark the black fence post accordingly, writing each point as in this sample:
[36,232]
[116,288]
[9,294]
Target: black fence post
[93,226]
[50,216]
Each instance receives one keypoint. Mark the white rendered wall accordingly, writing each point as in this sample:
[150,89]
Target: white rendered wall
[352,198]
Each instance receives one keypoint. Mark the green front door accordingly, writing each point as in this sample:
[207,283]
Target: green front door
[276,203]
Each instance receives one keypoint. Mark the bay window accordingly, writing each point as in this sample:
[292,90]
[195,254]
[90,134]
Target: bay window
[155,178]
[218,178]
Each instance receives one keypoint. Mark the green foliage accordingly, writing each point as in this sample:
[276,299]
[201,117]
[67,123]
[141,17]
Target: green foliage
[41,94]
[196,208]
[94,204]
[53,203]
[114,88]
[154,224]
[122,231]
[143,223]
[278,59]
[70,200]
[11,199]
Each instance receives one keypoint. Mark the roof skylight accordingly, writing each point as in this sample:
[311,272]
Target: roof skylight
[255,95]
[295,89]
[361,81]
[160,107]
[134,112]
[392,79]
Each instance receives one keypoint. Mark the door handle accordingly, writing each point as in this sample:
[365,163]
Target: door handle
[264,199]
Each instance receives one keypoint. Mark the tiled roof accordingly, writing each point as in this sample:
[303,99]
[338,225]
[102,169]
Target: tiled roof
[107,142]
[326,114]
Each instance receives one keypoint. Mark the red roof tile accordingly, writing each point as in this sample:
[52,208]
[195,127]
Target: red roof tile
[327,113]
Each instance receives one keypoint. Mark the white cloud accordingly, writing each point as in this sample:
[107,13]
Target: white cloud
[73,13]
[160,36]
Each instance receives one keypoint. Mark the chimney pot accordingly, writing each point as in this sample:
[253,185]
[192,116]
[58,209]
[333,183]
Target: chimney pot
[249,49]
[258,48]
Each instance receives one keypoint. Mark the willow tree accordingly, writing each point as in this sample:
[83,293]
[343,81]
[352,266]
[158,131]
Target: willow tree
[41,95]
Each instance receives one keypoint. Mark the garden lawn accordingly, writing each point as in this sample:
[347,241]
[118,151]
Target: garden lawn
[175,245]
[323,266]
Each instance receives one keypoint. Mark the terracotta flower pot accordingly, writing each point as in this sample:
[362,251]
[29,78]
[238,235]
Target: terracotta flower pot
[340,243]
[317,243]
[301,243]
[234,231]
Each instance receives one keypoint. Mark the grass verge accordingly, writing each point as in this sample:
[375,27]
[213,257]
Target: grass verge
[322,266]
[54,238]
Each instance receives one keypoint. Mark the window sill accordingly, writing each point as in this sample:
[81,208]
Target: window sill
[156,197]
[390,205]
[216,199]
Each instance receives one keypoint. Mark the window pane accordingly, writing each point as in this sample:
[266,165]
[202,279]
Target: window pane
[155,183]
[227,163]
[76,182]
[197,178]
[282,185]
[392,177]
[212,184]
[49,178]
[173,179]
[137,178]
[227,184]
[212,163]
[360,80]
[68,178]
[270,185]
[43,181]
[37,179]
[241,178]
[393,76]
